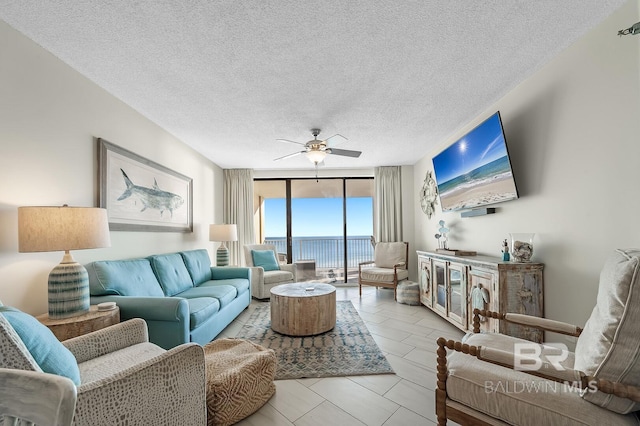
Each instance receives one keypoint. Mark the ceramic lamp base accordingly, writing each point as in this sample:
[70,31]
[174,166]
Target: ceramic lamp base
[222,256]
[68,290]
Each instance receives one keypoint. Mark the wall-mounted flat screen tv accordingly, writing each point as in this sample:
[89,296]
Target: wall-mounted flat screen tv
[476,171]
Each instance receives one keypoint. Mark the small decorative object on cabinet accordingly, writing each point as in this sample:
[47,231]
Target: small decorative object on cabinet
[452,286]
[522,247]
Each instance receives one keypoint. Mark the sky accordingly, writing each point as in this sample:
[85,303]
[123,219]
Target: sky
[480,146]
[319,217]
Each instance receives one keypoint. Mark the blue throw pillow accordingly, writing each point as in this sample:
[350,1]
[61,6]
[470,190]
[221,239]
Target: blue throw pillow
[44,347]
[266,259]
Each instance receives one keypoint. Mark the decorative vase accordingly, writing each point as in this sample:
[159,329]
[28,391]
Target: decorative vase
[521,247]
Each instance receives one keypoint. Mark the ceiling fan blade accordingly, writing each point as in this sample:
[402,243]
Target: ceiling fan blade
[345,152]
[335,140]
[289,155]
[287,140]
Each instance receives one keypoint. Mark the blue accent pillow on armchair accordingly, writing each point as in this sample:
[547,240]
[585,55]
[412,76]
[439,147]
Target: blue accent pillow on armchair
[51,355]
[266,259]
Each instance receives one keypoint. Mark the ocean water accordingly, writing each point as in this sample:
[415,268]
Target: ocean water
[328,252]
[497,169]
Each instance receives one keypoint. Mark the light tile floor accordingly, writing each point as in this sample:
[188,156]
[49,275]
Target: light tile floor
[406,335]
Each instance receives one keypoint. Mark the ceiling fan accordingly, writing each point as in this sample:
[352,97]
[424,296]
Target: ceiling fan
[317,149]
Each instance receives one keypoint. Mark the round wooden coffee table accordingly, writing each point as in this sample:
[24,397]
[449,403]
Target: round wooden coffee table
[303,309]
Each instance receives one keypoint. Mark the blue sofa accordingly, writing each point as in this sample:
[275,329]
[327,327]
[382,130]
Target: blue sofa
[180,295]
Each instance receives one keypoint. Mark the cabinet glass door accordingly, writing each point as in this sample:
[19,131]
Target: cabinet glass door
[456,293]
[440,286]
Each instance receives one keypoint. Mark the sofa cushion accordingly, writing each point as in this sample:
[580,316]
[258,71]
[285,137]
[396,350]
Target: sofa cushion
[224,293]
[123,278]
[608,347]
[241,284]
[201,309]
[266,259]
[52,357]
[171,273]
[198,264]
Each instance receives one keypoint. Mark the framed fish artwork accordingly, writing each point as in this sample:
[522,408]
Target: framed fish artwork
[141,195]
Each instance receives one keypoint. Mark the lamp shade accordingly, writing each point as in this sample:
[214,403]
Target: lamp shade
[316,156]
[223,233]
[62,228]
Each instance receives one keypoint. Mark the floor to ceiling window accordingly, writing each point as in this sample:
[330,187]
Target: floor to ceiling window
[323,226]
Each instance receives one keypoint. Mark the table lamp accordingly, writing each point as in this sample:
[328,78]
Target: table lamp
[64,228]
[223,233]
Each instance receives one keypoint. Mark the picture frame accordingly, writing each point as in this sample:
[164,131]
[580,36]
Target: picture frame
[142,195]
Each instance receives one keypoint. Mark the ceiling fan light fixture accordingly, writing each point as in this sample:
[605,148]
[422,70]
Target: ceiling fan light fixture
[316,156]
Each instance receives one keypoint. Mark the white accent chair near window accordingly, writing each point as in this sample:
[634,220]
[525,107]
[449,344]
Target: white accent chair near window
[266,270]
[389,267]
[494,379]
[120,377]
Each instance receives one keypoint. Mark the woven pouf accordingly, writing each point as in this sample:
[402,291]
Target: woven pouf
[239,379]
[408,293]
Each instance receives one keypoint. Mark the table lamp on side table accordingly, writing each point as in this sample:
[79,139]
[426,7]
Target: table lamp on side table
[64,228]
[222,234]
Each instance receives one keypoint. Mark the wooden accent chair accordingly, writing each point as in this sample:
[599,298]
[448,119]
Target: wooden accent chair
[263,278]
[494,379]
[390,266]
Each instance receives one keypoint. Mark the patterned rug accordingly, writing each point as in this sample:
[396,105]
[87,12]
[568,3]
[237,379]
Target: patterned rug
[347,350]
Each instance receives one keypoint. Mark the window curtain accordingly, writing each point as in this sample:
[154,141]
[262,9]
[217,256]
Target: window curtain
[238,209]
[388,204]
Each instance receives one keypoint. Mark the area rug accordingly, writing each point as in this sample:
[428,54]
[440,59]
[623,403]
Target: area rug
[347,350]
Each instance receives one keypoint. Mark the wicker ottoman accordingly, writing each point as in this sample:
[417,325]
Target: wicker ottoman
[239,379]
[408,293]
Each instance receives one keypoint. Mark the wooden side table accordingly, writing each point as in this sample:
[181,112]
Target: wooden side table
[66,328]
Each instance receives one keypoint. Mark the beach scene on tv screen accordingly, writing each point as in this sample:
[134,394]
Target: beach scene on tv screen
[475,170]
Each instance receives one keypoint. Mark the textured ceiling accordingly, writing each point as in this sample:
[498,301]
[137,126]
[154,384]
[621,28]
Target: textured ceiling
[229,77]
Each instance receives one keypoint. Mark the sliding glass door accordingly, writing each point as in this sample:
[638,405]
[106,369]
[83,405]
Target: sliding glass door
[323,226]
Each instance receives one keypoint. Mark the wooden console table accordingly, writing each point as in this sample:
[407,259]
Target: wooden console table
[66,328]
[452,286]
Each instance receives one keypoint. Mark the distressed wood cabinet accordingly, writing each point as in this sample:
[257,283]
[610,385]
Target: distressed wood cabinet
[452,286]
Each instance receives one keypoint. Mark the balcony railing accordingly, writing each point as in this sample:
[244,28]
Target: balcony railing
[327,254]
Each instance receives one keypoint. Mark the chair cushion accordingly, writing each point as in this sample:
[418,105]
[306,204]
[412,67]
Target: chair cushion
[44,347]
[266,259]
[516,397]
[123,278]
[382,274]
[273,277]
[198,264]
[386,255]
[104,367]
[171,273]
[608,347]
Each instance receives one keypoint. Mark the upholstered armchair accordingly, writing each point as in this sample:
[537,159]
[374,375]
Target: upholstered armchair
[119,376]
[491,379]
[266,270]
[390,266]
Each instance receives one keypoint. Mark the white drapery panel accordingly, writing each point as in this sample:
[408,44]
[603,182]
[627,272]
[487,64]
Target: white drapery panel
[388,205]
[238,209]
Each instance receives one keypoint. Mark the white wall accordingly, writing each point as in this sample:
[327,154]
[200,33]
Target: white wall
[573,131]
[49,117]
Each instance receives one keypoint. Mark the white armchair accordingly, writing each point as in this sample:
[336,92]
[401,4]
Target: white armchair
[122,377]
[389,267]
[263,280]
[493,379]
